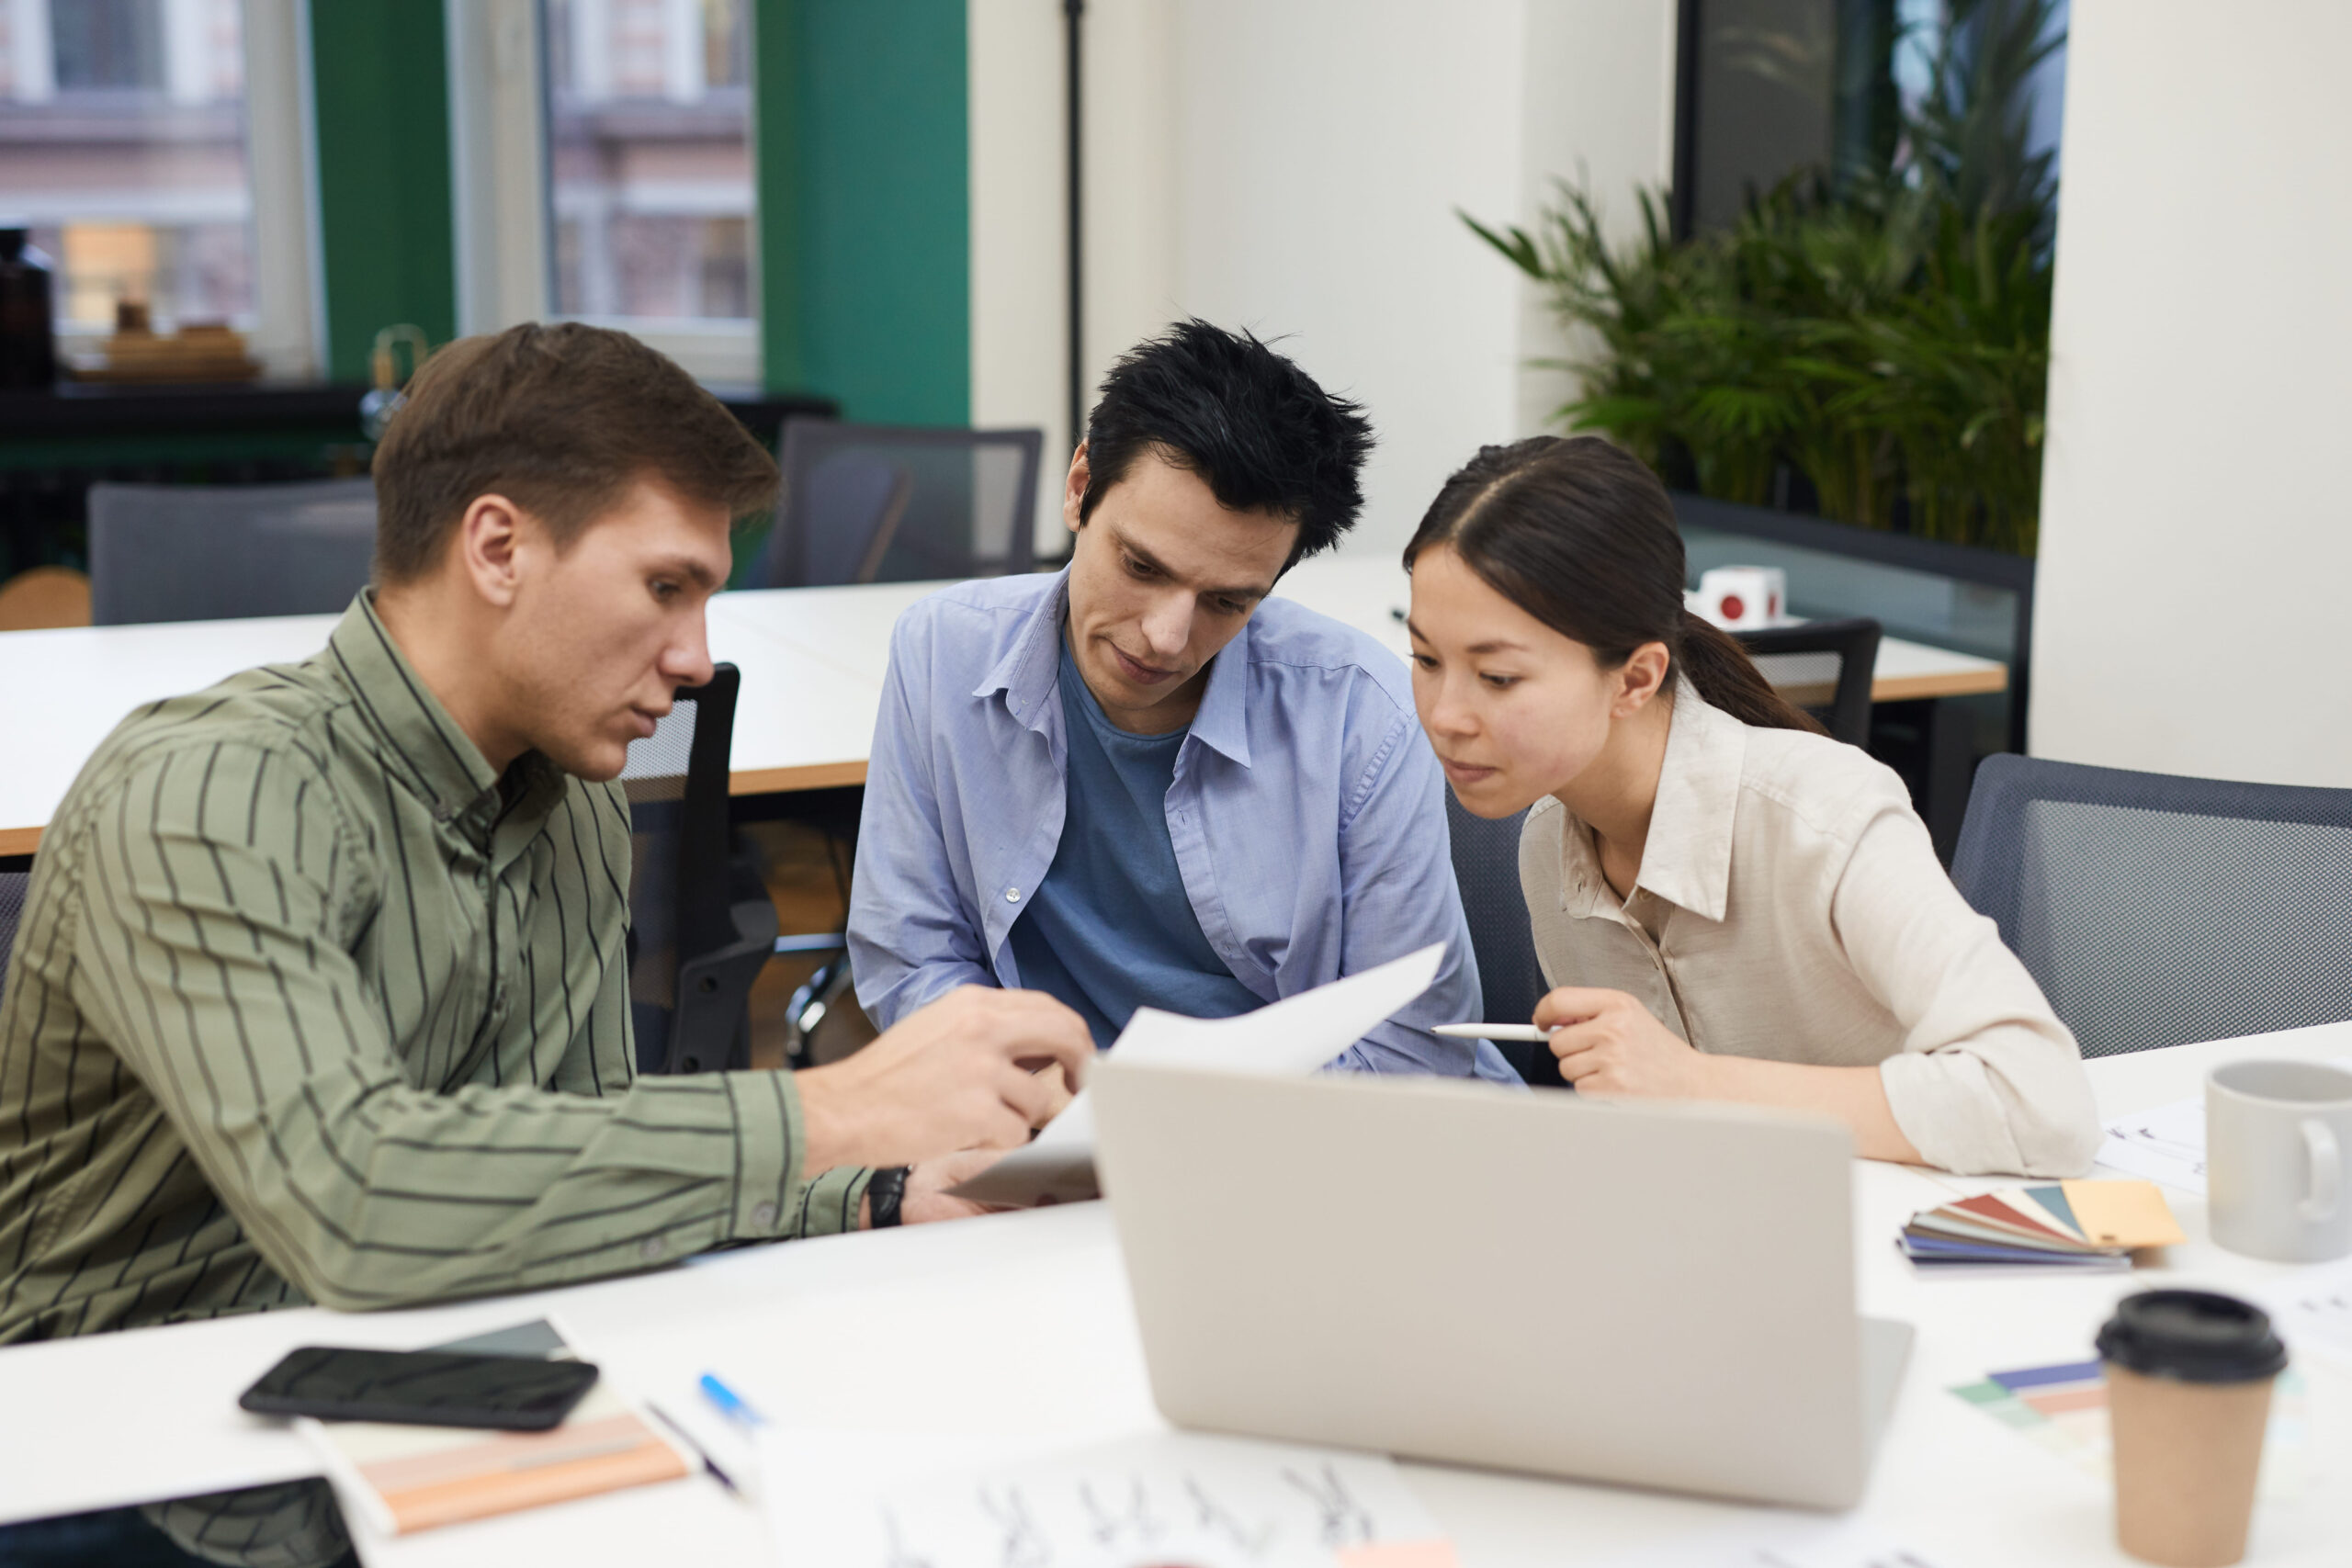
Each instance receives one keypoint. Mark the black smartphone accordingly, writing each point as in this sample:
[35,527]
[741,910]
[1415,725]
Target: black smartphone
[425,1388]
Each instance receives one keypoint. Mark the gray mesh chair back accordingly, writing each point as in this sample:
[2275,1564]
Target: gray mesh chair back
[13,886]
[2157,911]
[1486,867]
[697,937]
[882,503]
[1824,667]
[220,552]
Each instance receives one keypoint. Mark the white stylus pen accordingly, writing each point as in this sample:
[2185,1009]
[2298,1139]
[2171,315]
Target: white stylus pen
[1493,1031]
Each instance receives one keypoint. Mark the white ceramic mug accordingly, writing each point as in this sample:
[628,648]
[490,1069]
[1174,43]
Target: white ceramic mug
[2277,1135]
[1740,597]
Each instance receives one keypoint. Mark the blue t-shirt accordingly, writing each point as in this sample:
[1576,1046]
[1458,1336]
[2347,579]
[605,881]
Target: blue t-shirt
[1110,928]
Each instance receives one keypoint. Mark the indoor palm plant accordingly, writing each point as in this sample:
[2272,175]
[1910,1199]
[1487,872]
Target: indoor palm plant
[1879,331]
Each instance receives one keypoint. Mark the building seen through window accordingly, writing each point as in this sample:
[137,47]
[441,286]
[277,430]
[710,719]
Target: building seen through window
[122,148]
[1774,88]
[649,159]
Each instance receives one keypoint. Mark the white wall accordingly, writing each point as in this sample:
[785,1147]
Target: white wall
[2197,507]
[1013,78]
[1293,166]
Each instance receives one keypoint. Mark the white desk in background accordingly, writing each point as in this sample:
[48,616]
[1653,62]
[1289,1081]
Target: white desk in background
[1020,1324]
[813,662]
[806,723]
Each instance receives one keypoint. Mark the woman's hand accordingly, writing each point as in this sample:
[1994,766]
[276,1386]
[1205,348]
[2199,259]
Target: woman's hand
[1609,1043]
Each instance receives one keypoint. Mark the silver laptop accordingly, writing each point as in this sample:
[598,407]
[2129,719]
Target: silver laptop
[1613,1292]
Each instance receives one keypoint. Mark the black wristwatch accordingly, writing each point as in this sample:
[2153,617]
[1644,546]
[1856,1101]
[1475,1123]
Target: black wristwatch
[882,1196]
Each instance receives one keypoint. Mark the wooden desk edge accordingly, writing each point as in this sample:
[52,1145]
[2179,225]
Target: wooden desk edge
[750,781]
[1949,683]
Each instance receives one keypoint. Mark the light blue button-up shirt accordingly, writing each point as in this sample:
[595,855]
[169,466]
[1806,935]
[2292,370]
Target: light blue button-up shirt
[1308,814]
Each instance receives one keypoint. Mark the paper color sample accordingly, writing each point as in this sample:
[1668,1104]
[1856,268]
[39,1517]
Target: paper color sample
[1994,1209]
[2122,1213]
[1999,1229]
[1399,1554]
[413,1478]
[2063,1409]
[2050,1201]
[1290,1037]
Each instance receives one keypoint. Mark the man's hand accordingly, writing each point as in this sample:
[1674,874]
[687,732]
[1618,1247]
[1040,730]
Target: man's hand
[1609,1043]
[927,1198]
[976,1069]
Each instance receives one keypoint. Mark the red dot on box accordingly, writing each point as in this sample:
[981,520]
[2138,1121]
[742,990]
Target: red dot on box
[1732,606]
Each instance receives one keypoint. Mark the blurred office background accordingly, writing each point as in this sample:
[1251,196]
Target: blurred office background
[863,208]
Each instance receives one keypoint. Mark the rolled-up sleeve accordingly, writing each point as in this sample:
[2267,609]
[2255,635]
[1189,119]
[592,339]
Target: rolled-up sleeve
[1988,1079]
[213,966]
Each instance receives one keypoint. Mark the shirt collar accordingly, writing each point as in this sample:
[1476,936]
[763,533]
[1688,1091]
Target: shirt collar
[1029,669]
[447,766]
[1027,672]
[1223,723]
[1686,859]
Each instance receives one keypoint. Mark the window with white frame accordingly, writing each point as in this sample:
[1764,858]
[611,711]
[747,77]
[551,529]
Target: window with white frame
[605,172]
[126,137]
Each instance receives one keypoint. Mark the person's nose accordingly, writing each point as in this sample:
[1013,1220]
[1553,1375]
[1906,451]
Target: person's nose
[1167,625]
[686,662]
[1450,712]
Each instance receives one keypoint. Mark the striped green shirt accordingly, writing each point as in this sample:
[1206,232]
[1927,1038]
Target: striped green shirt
[307,1004]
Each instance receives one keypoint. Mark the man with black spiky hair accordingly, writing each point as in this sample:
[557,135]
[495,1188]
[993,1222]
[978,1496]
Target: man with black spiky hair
[1142,781]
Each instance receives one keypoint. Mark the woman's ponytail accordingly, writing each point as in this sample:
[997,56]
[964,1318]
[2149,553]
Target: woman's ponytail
[1582,537]
[1719,666]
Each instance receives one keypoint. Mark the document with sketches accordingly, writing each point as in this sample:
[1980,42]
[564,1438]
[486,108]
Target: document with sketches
[2166,1144]
[1293,1036]
[865,1500]
[1789,1539]
[2313,1307]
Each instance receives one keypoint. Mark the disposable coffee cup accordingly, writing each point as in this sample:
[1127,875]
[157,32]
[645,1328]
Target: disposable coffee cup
[2276,1137]
[2188,1381]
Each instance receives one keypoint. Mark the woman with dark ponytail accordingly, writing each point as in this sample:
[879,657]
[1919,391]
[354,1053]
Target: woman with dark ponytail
[1730,905]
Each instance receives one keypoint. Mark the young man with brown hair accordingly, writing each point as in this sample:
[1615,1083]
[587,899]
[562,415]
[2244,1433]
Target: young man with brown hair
[321,991]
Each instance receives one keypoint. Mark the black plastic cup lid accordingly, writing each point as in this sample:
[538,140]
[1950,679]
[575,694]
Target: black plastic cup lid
[2193,1336]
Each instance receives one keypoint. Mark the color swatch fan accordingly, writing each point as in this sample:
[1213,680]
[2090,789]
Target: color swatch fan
[2066,1224]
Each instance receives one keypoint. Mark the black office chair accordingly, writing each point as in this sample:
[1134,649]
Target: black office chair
[1824,667]
[700,922]
[2157,911]
[887,504]
[220,552]
[1485,865]
[13,888]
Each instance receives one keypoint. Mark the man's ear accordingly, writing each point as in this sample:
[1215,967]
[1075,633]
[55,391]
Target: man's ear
[489,542]
[1074,488]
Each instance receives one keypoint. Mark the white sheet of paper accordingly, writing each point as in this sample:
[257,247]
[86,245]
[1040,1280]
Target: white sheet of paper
[866,1500]
[1290,1037]
[1792,1540]
[2313,1308]
[2166,1144]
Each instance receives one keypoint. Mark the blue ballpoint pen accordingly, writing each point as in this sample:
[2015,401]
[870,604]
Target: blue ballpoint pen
[732,1405]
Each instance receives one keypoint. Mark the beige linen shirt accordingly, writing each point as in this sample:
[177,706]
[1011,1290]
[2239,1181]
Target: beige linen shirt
[1790,906]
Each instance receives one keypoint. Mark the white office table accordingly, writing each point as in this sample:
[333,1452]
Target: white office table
[813,662]
[1022,1324]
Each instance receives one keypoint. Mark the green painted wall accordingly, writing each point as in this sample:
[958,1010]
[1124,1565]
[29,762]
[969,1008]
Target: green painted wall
[866,206]
[386,222]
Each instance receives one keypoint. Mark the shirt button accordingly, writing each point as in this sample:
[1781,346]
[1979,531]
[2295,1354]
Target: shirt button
[651,1249]
[1012,895]
[763,1216]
